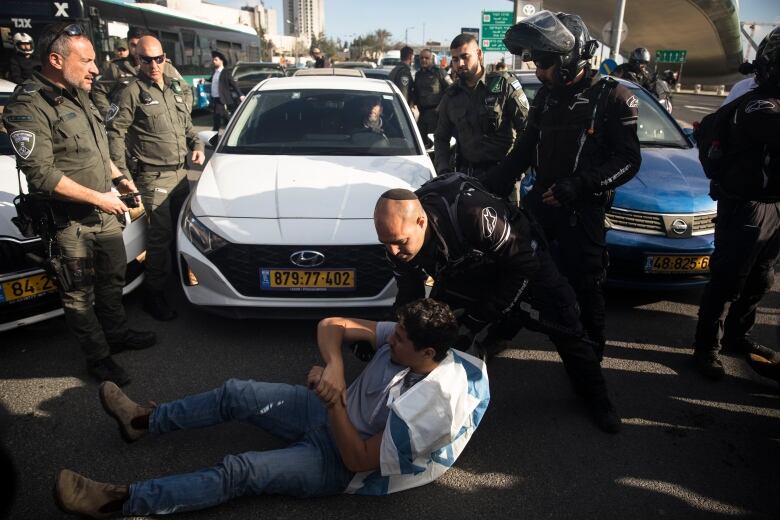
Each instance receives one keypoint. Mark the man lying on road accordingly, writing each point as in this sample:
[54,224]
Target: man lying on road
[399,425]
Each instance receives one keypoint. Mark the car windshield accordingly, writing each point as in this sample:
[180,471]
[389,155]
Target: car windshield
[656,127]
[244,71]
[321,122]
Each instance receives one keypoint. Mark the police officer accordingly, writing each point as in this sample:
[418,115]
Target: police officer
[22,62]
[747,228]
[484,111]
[430,83]
[120,70]
[150,120]
[401,75]
[581,140]
[487,260]
[61,147]
[636,69]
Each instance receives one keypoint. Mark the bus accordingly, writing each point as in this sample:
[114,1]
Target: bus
[187,42]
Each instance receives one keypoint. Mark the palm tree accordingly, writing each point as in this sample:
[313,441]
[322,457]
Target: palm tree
[382,36]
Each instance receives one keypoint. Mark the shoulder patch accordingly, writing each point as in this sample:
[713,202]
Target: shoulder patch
[489,218]
[112,111]
[404,80]
[760,105]
[29,88]
[495,83]
[23,142]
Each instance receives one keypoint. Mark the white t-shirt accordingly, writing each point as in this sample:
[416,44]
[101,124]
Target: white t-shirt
[740,88]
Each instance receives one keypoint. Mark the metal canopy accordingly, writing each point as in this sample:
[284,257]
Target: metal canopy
[708,29]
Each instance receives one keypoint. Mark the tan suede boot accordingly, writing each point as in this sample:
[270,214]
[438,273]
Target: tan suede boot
[124,410]
[79,495]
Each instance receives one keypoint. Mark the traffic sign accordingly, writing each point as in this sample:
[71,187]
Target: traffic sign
[607,66]
[495,24]
[667,56]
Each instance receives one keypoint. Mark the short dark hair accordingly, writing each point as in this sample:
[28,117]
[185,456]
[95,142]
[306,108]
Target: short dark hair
[462,39]
[53,39]
[398,194]
[429,323]
[136,32]
[406,52]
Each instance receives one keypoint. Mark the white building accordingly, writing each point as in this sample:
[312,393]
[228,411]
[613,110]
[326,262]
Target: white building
[304,18]
[251,16]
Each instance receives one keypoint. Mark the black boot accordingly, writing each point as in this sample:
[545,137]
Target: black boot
[745,345]
[156,305]
[133,340]
[106,369]
[604,415]
[708,364]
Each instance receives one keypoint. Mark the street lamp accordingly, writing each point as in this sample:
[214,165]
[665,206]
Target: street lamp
[406,35]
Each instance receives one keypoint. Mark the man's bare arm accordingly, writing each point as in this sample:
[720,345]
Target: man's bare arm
[331,334]
[357,454]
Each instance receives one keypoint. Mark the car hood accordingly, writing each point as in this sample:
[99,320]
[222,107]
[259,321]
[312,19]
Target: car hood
[671,180]
[302,187]
[9,188]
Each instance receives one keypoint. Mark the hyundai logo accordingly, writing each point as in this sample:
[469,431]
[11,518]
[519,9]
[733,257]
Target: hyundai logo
[679,227]
[307,258]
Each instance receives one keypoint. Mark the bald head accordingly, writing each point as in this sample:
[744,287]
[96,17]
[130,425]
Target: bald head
[400,223]
[149,46]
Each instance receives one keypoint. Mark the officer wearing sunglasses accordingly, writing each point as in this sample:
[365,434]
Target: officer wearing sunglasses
[150,122]
[120,70]
[62,149]
[581,141]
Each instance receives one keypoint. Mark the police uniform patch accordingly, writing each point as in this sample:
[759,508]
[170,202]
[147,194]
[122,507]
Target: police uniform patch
[23,142]
[489,218]
[178,99]
[111,113]
[496,84]
[175,87]
[404,81]
[16,119]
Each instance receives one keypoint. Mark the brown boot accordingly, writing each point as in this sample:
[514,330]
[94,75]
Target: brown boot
[79,495]
[124,410]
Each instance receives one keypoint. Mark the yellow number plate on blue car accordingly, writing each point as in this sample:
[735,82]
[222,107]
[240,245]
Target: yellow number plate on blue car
[677,264]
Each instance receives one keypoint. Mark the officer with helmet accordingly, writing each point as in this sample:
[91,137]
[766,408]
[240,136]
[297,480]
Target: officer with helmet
[580,139]
[22,64]
[747,228]
[636,69]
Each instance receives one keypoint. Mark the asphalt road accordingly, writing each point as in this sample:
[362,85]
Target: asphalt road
[689,448]
[687,108]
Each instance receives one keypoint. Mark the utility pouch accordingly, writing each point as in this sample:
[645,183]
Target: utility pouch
[79,272]
[56,269]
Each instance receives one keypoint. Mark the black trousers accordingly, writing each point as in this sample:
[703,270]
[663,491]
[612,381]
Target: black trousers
[427,122]
[747,247]
[220,114]
[549,306]
[577,241]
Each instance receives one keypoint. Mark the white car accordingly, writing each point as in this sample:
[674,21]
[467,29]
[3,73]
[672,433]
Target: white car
[282,216]
[27,295]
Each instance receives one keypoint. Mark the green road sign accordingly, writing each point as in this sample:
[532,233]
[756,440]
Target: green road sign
[495,24]
[670,56]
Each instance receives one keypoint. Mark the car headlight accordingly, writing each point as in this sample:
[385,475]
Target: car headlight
[204,240]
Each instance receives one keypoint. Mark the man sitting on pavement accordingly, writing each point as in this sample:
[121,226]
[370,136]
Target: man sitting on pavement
[356,440]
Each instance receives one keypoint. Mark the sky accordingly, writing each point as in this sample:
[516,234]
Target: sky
[440,20]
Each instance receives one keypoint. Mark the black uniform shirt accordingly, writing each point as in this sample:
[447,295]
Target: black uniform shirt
[401,75]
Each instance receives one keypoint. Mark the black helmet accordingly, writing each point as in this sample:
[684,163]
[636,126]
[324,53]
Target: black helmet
[561,38]
[767,63]
[639,55]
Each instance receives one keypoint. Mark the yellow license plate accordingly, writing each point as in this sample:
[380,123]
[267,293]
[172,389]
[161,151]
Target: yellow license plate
[28,287]
[665,264]
[307,279]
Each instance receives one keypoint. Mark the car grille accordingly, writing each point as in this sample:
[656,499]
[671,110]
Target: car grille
[241,264]
[12,255]
[661,224]
[648,223]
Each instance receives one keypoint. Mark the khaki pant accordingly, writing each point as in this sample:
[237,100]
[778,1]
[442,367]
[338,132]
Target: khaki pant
[97,251]
[163,194]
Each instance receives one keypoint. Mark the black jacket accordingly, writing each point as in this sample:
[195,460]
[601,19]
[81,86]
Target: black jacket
[22,68]
[491,236]
[401,75]
[558,141]
[754,144]
[229,91]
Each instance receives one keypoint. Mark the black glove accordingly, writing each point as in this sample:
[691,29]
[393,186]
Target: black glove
[567,190]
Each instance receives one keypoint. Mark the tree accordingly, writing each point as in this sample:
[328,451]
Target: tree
[327,45]
[382,38]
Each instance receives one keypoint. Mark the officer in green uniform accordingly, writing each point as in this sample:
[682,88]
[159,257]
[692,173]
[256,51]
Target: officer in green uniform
[485,112]
[119,71]
[62,149]
[150,121]
[430,83]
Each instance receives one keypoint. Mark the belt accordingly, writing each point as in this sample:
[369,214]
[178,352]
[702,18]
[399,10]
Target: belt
[159,167]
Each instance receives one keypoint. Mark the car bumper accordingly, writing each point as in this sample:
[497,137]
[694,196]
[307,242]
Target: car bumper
[628,254]
[215,293]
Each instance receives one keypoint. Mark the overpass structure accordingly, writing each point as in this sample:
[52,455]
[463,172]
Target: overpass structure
[708,29]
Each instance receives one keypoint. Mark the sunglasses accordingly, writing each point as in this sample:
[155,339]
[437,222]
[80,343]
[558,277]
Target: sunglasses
[149,59]
[544,61]
[73,29]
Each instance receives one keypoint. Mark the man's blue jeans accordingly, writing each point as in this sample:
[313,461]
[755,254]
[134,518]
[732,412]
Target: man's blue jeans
[311,466]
